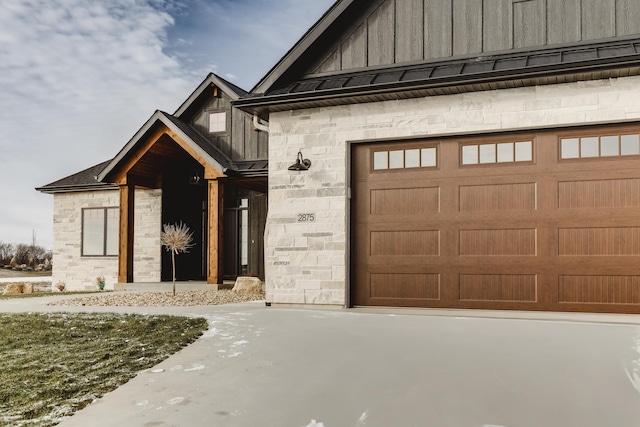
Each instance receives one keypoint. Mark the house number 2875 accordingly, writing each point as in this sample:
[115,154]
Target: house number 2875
[306,217]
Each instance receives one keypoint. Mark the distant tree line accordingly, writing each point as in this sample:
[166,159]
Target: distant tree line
[23,254]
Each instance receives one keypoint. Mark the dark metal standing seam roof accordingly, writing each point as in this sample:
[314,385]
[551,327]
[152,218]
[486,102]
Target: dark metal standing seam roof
[473,73]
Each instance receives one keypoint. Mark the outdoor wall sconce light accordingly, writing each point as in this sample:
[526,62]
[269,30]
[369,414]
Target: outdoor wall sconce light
[300,164]
[195,178]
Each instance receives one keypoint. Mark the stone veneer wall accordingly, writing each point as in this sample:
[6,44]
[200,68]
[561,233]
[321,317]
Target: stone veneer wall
[306,262]
[80,273]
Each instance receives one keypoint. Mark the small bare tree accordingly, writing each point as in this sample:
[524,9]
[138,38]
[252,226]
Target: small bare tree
[176,238]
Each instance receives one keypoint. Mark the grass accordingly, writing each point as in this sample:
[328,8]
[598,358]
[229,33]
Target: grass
[52,365]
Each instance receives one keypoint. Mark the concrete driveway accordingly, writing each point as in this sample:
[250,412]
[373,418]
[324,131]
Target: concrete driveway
[260,366]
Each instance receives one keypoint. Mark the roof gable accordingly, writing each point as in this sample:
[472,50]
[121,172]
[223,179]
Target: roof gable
[162,123]
[212,81]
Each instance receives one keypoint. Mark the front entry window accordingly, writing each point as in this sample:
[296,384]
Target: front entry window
[237,238]
[100,231]
[244,236]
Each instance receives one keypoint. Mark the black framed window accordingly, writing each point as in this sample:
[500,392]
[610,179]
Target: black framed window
[100,231]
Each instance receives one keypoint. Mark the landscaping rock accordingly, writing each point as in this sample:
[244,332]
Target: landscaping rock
[248,285]
[160,299]
[14,289]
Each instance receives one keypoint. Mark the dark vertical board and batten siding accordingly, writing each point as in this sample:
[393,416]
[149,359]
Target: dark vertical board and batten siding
[406,31]
[240,141]
[467,27]
[237,134]
[381,36]
[529,24]
[438,34]
[560,27]
[409,30]
[598,19]
[354,49]
[497,23]
[627,17]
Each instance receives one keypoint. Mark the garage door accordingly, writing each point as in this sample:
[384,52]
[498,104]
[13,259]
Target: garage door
[527,221]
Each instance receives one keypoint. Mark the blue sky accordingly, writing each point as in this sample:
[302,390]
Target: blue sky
[79,77]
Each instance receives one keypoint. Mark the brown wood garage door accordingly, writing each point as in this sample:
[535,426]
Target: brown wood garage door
[535,221]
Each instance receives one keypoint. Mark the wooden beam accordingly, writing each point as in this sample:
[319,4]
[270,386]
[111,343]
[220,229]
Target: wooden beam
[125,248]
[142,181]
[209,171]
[120,176]
[216,209]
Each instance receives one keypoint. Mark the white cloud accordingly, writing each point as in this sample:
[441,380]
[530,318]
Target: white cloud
[77,79]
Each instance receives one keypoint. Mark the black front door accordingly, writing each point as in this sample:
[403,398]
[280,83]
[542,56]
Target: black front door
[184,200]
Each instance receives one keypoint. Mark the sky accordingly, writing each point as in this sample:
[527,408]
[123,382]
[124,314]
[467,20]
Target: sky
[78,78]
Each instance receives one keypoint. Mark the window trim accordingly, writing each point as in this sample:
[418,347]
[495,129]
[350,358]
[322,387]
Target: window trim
[496,143]
[104,232]
[217,112]
[404,148]
[599,135]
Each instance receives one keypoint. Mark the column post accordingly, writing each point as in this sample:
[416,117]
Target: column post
[125,245]
[216,210]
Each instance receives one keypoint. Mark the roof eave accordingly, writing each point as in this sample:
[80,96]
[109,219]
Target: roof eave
[256,104]
[310,37]
[76,188]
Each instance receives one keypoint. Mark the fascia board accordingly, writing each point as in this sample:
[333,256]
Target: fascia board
[132,142]
[301,46]
[213,162]
[211,78]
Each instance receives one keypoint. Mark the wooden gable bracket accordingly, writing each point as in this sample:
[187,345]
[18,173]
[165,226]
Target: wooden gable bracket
[122,176]
[209,171]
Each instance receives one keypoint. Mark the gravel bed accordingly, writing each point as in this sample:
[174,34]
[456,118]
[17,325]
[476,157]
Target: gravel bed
[161,299]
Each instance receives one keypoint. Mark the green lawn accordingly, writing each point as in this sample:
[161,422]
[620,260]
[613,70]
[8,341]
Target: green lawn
[52,365]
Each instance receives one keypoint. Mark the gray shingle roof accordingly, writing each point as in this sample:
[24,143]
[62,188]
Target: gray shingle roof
[81,181]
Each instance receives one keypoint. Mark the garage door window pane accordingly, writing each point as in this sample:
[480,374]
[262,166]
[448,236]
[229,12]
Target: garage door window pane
[505,153]
[470,155]
[589,147]
[412,158]
[609,146]
[396,159]
[524,151]
[570,148]
[629,145]
[488,153]
[380,160]
[429,158]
